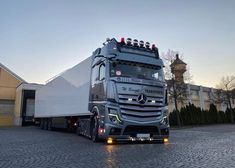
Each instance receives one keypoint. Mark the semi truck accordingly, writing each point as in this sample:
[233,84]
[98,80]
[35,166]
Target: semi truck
[117,94]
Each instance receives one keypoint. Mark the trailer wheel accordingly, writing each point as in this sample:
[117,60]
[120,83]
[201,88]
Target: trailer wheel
[45,122]
[78,129]
[49,125]
[78,132]
[41,123]
[95,126]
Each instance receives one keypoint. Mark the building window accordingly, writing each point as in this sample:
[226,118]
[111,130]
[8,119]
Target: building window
[206,95]
[195,95]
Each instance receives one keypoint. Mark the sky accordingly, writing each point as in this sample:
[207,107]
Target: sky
[39,39]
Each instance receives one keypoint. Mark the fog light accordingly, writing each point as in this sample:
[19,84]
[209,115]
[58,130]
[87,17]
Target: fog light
[109,140]
[165,140]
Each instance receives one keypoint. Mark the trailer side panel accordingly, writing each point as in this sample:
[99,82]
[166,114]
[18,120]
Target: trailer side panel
[67,94]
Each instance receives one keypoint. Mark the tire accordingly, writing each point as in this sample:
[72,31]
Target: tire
[41,123]
[78,129]
[45,124]
[49,125]
[95,126]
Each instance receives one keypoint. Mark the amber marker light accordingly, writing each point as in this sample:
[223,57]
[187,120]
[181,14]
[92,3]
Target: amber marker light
[165,140]
[109,141]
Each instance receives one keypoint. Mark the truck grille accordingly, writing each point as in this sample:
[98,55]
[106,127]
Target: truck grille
[131,109]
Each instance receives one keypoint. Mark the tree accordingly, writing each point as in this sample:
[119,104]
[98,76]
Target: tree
[227,86]
[175,70]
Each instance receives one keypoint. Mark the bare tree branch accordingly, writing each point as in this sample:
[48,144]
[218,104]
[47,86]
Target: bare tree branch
[227,86]
[176,89]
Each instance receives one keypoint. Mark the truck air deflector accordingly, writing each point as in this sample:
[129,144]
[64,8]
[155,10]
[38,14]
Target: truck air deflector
[139,59]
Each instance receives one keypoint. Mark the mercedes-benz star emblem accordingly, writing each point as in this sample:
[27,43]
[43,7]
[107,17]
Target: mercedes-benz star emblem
[142,98]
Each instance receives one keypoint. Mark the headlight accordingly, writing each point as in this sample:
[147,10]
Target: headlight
[113,117]
[166,97]
[165,117]
[166,112]
[164,120]
[111,92]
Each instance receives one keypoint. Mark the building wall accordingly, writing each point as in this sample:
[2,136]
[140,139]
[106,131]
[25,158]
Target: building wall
[8,84]
[18,107]
[201,97]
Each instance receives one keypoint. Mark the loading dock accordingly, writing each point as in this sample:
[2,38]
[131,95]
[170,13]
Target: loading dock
[25,104]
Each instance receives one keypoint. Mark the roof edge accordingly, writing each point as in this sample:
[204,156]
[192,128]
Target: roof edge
[12,73]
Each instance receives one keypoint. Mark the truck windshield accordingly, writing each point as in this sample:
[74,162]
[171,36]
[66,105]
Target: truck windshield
[136,70]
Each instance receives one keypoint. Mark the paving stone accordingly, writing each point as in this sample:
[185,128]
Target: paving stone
[209,146]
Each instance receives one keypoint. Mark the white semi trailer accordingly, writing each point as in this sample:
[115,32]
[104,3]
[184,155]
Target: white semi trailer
[117,94]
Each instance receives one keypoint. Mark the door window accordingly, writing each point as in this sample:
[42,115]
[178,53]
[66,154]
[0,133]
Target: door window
[102,72]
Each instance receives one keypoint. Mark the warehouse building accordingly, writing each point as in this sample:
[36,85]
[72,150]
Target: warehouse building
[16,98]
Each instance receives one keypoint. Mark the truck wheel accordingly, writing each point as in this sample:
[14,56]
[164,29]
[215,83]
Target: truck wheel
[95,126]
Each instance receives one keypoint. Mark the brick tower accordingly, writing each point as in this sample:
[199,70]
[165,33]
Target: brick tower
[178,68]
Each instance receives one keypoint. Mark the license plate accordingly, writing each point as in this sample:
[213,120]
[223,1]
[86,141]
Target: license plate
[143,135]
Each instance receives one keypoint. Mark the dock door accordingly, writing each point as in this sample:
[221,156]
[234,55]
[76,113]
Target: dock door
[28,107]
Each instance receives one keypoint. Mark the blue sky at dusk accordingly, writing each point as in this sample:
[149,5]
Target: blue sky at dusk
[39,39]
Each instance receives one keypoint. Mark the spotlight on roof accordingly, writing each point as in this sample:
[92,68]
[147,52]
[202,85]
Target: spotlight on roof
[128,41]
[141,43]
[147,44]
[135,43]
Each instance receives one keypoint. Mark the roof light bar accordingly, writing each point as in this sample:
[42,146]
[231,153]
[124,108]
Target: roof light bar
[138,44]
